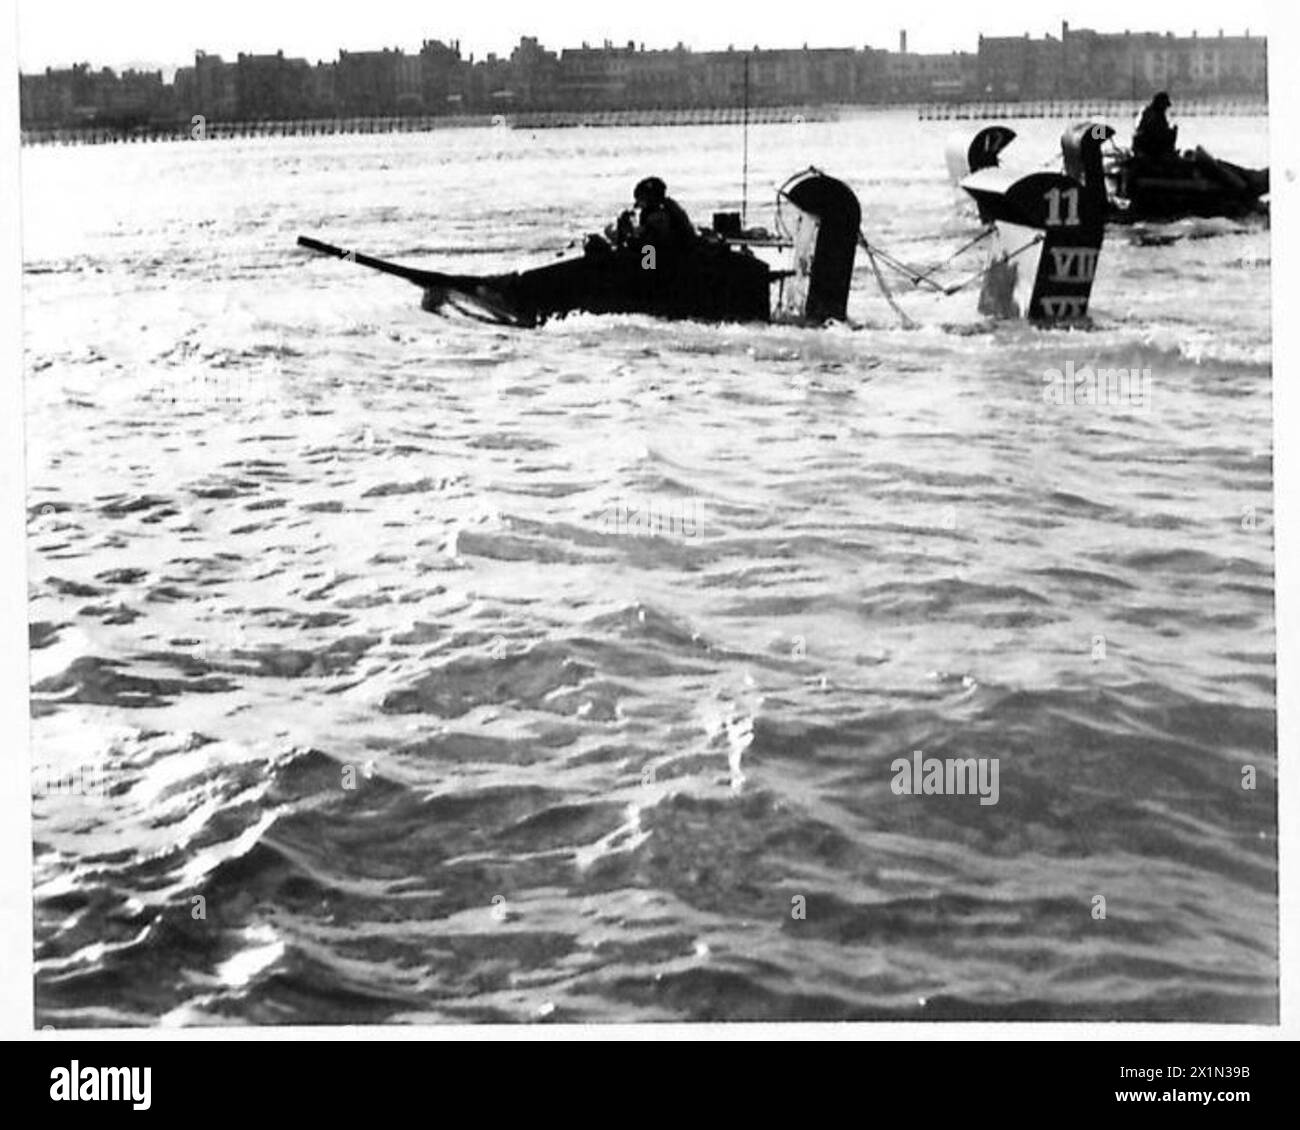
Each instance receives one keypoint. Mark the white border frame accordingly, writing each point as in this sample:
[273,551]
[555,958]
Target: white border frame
[16,920]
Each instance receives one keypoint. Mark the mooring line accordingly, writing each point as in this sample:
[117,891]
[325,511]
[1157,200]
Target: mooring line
[1005,259]
[913,275]
[916,278]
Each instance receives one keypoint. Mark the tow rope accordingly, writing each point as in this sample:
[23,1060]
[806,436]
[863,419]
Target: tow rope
[918,277]
[908,324]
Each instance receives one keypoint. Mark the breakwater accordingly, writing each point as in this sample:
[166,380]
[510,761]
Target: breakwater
[199,128]
[1087,108]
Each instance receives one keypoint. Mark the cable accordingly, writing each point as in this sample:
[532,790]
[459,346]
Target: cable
[1005,259]
[912,274]
[988,231]
[908,324]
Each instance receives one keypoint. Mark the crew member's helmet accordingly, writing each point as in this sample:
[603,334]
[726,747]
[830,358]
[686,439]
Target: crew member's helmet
[650,191]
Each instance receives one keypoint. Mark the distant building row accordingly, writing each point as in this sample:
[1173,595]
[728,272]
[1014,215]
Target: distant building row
[437,80]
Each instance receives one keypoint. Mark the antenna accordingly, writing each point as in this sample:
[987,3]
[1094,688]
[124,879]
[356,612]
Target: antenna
[744,166]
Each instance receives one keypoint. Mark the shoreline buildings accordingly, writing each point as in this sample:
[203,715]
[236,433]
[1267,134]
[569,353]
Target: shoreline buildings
[438,80]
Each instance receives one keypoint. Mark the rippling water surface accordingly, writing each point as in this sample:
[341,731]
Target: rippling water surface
[415,670]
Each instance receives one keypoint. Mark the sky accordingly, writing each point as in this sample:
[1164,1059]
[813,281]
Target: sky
[166,33]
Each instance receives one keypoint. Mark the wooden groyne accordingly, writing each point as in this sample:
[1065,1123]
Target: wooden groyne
[718,116]
[1084,109]
[201,129]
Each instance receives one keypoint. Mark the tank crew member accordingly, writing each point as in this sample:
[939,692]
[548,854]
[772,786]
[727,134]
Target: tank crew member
[655,218]
[1154,136]
[660,219]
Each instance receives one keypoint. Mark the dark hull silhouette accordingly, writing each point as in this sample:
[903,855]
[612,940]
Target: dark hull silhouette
[1137,188]
[711,282]
[714,278]
[1176,187]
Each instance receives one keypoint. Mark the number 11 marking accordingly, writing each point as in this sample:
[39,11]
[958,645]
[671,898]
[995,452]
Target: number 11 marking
[1053,198]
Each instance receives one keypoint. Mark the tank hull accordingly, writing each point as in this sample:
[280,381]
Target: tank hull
[712,282]
[1175,188]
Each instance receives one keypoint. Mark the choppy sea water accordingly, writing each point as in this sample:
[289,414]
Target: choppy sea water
[392,668]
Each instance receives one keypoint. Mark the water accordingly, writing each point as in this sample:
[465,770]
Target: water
[413,670]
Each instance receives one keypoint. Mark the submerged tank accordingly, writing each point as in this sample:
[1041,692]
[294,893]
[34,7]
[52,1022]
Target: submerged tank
[1164,188]
[1193,183]
[718,278]
[711,281]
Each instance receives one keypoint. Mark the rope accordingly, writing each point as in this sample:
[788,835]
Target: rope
[913,275]
[779,224]
[1005,259]
[908,324]
[947,291]
[988,231]
[910,273]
